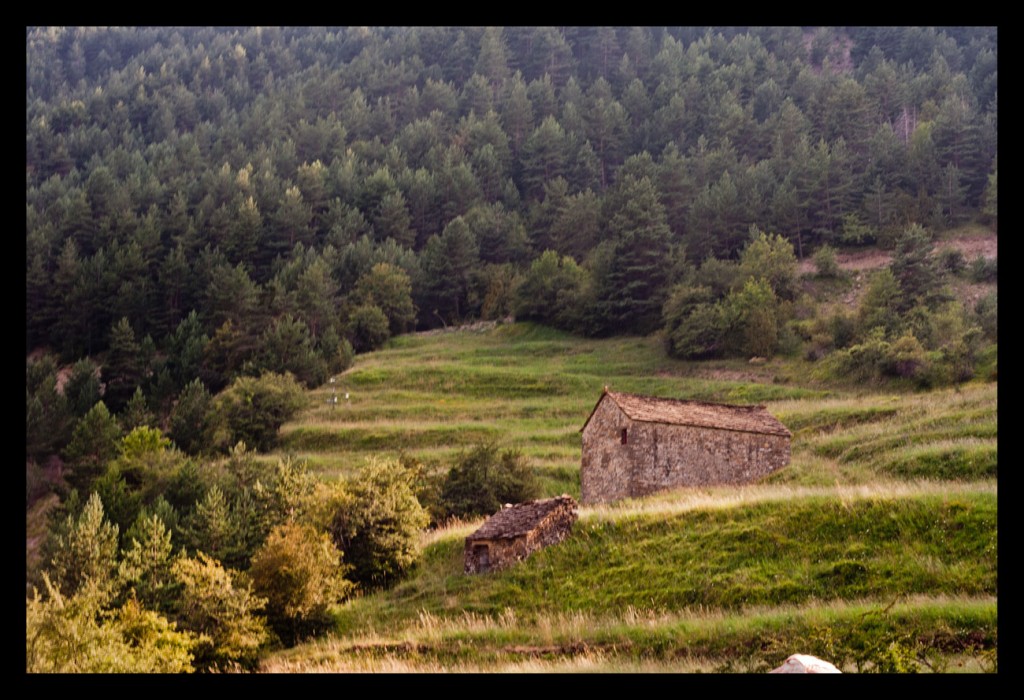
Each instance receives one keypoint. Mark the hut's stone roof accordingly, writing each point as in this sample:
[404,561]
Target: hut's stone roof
[703,414]
[517,520]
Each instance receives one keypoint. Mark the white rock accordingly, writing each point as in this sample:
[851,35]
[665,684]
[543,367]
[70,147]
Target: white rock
[805,663]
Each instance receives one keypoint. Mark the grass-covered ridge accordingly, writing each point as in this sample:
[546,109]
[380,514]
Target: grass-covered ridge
[853,576]
[875,547]
[765,552]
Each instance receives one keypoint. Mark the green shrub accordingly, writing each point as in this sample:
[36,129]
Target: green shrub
[863,361]
[753,314]
[694,325]
[483,479]
[368,328]
[717,275]
[388,288]
[905,358]
[298,571]
[337,352]
[224,613]
[377,525]
[952,261]
[983,270]
[769,257]
[252,409]
[74,634]
[988,315]
[825,262]
[549,289]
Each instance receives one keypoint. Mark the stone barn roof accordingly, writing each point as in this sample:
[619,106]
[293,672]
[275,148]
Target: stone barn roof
[702,414]
[515,521]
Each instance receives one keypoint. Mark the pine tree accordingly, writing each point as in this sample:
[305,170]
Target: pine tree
[146,563]
[209,528]
[188,418]
[83,387]
[392,220]
[94,442]
[287,346]
[517,112]
[122,372]
[85,551]
[492,63]
[631,292]
[916,270]
[48,416]
[544,156]
[447,261]
[136,412]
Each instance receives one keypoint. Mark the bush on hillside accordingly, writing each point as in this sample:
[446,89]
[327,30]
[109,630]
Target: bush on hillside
[252,409]
[75,634]
[483,479]
[952,261]
[694,324]
[368,328]
[298,570]
[377,524]
[984,270]
[825,262]
[222,611]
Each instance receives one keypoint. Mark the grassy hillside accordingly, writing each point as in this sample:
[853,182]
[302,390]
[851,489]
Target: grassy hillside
[521,386]
[875,548]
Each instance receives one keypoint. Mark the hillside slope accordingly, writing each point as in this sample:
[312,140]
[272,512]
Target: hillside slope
[874,548]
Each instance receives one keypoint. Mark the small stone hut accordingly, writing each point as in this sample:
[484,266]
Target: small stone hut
[636,445]
[517,531]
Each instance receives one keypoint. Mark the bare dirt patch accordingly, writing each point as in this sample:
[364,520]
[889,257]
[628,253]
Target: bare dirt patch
[970,293]
[859,265]
[971,247]
[726,375]
[475,327]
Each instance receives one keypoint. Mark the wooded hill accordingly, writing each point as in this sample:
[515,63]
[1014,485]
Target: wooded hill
[257,175]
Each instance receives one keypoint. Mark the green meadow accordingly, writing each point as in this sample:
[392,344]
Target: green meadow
[875,548]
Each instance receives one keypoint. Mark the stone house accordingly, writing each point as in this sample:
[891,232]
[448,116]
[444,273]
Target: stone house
[636,445]
[517,531]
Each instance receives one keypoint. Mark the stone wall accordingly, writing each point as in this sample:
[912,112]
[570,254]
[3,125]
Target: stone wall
[657,456]
[606,469]
[503,552]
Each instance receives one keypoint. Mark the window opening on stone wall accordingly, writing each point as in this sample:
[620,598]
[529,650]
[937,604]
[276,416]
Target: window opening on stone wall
[625,437]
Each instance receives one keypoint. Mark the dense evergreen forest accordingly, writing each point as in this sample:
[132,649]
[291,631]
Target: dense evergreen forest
[258,175]
[219,217]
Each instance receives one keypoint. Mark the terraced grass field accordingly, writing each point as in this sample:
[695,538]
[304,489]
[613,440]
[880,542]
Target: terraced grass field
[875,548]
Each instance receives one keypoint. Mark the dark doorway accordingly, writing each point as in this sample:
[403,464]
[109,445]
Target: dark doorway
[482,554]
